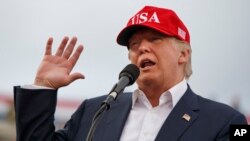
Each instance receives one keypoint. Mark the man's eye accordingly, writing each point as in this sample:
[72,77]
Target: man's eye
[155,39]
[133,44]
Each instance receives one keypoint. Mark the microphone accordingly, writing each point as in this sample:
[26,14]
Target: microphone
[127,77]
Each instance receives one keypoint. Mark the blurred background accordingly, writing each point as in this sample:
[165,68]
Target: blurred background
[219,38]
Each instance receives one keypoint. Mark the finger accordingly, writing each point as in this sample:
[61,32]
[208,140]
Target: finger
[49,46]
[70,48]
[76,76]
[73,59]
[60,49]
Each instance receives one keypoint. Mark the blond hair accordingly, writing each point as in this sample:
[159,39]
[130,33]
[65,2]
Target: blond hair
[188,66]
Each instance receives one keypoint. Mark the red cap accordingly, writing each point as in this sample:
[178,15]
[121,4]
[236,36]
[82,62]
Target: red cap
[163,20]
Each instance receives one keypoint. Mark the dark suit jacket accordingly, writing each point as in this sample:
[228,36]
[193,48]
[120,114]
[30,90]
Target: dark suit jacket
[35,116]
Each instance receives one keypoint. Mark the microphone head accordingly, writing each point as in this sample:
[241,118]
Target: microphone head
[131,71]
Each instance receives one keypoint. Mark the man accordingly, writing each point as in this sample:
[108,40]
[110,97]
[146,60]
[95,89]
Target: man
[162,108]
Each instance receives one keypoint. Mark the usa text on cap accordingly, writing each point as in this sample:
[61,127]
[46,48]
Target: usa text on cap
[163,20]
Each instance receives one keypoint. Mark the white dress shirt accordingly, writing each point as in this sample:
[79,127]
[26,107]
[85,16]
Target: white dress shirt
[144,121]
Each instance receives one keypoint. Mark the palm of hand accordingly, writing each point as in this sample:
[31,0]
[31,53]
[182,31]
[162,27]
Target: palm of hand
[54,70]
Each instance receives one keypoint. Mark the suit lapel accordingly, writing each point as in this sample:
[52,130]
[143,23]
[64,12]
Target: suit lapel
[181,117]
[112,123]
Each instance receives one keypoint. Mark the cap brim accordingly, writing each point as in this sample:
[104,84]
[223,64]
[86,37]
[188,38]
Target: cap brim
[126,33]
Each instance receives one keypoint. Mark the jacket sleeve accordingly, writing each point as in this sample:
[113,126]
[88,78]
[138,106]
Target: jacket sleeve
[237,118]
[35,115]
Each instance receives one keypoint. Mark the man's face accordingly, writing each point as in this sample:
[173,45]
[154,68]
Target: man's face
[156,55]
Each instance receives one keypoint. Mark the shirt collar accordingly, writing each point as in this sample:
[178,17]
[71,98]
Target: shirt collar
[178,91]
[174,94]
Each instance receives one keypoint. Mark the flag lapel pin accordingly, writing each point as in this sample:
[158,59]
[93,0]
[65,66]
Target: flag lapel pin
[186,117]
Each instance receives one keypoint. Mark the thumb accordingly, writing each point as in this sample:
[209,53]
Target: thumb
[76,76]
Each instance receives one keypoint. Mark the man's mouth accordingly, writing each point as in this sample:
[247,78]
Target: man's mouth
[146,63]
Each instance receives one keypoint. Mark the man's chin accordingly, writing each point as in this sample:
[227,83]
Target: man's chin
[146,79]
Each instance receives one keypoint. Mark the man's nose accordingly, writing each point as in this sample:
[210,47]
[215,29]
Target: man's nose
[145,47]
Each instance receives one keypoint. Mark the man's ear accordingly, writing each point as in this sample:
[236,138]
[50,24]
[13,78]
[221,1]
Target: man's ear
[184,55]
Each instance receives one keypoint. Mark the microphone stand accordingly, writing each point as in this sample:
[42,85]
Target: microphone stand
[100,112]
[97,117]
[127,77]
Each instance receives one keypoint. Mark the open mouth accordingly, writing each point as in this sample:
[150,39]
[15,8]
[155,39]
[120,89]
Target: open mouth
[146,63]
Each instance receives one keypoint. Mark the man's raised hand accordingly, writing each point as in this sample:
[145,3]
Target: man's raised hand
[55,70]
